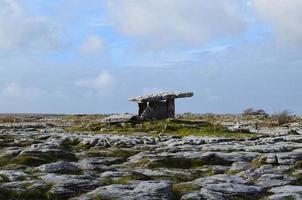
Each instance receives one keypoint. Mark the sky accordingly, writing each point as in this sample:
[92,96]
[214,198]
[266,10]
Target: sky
[79,56]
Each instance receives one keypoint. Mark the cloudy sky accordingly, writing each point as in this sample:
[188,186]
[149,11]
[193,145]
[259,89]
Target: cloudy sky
[79,56]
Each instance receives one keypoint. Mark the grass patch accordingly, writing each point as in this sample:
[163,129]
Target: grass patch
[112,152]
[138,176]
[6,140]
[176,178]
[69,144]
[106,181]
[172,127]
[83,118]
[141,163]
[298,165]
[31,193]
[121,181]
[232,172]
[258,162]
[4,161]
[181,189]
[30,161]
[100,197]
[299,179]
[38,158]
[3,178]
[180,163]
[34,160]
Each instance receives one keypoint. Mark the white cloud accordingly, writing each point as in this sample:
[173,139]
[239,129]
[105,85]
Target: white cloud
[92,44]
[20,29]
[285,16]
[14,90]
[103,81]
[164,22]
[14,5]
[100,22]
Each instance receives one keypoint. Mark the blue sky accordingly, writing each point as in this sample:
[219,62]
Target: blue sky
[76,56]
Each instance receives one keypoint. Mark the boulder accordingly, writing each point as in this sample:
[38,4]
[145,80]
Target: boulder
[59,167]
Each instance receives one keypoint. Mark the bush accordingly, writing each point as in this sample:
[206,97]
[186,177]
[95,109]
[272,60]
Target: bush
[283,117]
[252,111]
[248,111]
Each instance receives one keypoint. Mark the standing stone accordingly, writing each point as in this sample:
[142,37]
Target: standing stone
[171,108]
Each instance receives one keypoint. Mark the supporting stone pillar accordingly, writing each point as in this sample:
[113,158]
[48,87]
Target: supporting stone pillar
[141,108]
[170,108]
[155,110]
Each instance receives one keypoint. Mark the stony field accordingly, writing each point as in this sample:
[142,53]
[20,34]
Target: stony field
[79,158]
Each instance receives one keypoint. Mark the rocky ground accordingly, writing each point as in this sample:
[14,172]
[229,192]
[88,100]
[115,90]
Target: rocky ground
[40,161]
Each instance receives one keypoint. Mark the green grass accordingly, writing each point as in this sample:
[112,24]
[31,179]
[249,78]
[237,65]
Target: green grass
[296,166]
[232,172]
[258,162]
[141,163]
[30,194]
[172,127]
[100,197]
[180,163]
[3,178]
[111,152]
[4,161]
[5,140]
[29,161]
[181,189]
[36,160]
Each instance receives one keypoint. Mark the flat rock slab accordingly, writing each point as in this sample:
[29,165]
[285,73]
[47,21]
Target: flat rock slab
[273,180]
[218,179]
[119,118]
[161,96]
[287,189]
[65,186]
[59,167]
[235,189]
[151,190]
[285,196]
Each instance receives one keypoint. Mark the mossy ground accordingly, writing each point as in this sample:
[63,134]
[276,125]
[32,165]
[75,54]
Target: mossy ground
[181,189]
[232,172]
[4,160]
[3,178]
[31,193]
[100,197]
[124,180]
[258,162]
[111,152]
[298,165]
[180,163]
[298,176]
[29,161]
[171,127]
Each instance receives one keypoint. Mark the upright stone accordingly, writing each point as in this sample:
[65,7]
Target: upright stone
[171,108]
[141,108]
